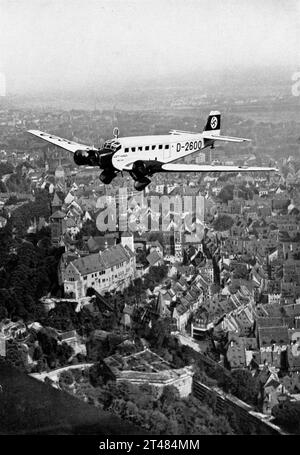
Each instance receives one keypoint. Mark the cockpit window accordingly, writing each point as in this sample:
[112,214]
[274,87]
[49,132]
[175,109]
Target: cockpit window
[115,146]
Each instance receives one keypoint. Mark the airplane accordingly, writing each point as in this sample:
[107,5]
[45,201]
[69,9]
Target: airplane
[143,156]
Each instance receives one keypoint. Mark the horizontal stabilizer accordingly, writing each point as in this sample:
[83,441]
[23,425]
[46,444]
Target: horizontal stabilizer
[224,138]
[179,132]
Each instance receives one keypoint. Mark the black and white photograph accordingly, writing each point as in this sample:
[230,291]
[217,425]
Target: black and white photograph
[149,222]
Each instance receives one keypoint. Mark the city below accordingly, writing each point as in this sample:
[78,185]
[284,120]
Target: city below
[150,327]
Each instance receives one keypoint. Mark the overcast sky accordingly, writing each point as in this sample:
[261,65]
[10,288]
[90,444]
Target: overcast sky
[56,43]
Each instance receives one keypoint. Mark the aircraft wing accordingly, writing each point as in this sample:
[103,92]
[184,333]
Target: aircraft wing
[171,167]
[71,146]
[225,138]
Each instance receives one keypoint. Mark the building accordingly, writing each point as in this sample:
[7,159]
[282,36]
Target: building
[236,353]
[56,203]
[208,270]
[60,178]
[72,339]
[146,367]
[100,243]
[127,239]
[111,269]
[155,246]
[178,245]
[154,259]
[273,343]
[57,226]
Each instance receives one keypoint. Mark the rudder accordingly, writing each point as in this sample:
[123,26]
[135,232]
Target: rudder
[213,123]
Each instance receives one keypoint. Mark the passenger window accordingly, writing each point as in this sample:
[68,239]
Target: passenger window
[160,147]
[126,150]
[140,149]
[153,147]
[147,147]
[133,149]
[167,146]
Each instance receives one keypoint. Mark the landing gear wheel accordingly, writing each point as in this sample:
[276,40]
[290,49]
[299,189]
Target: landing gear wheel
[141,184]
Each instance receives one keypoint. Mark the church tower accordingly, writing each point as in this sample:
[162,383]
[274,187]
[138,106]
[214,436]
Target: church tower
[60,177]
[56,204]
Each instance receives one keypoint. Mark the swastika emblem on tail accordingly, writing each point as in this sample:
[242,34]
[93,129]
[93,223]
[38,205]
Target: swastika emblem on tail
[214,122]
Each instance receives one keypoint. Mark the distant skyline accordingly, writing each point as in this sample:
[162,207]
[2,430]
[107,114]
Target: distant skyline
[69,44]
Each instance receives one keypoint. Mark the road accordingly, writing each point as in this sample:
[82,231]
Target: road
[54,374]
[187,340]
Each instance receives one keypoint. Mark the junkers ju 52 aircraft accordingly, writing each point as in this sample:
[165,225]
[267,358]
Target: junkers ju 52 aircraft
[143,156]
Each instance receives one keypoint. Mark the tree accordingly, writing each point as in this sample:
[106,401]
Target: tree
[226,193]
[240,271]
[169,395]
[287,414]
[223,223]
[66,378]
[158,422]
[3,311]
[64,352]
[159,332]
[16,355]
[37,353]
[245,386]
[98,374]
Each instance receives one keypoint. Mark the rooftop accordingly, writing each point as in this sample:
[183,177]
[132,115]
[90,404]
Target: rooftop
[96,262]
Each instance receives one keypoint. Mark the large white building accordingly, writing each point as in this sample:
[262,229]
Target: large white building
[111,269]
[155,371]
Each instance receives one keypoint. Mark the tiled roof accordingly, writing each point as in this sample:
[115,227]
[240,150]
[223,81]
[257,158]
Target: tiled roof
[70,223]
[56,201]
[269,322]
[98,243]
[58,215]
[155,243]
[126,234]
[273,335]
[67,335]
[153,257]
[101,261]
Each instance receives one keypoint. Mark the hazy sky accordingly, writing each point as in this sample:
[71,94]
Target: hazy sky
[60,43]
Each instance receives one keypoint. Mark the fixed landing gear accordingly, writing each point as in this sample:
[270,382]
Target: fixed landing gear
[107,177]
[140,185]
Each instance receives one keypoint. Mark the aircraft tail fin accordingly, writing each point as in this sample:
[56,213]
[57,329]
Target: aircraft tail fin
[213,124]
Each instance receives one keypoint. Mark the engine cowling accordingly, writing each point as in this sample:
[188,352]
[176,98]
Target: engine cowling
[86,157]
[142,169]
[106,177]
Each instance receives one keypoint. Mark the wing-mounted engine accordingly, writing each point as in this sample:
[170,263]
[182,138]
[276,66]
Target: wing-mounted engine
[141,170]
[87,157]
[100,157]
